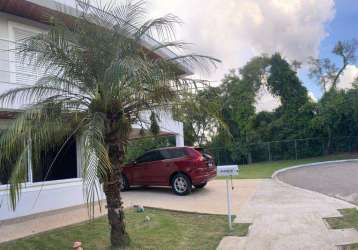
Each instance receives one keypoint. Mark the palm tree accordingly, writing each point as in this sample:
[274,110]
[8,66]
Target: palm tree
[99,79]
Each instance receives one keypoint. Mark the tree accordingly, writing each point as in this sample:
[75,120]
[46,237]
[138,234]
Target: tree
[237,99]
[337,116]
[239,93]
[99,80]
[326,72]
[200,115]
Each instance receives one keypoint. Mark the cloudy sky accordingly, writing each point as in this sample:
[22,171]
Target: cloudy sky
[236,30]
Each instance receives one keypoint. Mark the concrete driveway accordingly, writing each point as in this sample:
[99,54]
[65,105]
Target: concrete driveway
[211,199]
[339,179]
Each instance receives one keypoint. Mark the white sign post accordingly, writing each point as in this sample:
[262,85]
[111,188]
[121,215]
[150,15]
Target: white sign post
[228,171]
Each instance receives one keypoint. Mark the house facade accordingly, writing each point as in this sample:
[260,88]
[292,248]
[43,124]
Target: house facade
[63,186]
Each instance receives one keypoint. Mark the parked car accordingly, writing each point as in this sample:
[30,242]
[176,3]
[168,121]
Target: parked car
[178,167]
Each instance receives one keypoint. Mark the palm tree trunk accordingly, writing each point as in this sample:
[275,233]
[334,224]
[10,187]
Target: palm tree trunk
[119,236]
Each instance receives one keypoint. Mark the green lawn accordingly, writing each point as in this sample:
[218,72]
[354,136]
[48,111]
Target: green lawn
[165,230]
[266,169]
[349,220]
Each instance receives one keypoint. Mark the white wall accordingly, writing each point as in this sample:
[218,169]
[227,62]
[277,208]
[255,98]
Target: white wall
[38,197]
[166,124]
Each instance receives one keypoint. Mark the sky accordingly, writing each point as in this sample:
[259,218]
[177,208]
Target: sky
[236,30]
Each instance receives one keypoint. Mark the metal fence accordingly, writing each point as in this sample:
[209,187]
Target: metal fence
[285,150]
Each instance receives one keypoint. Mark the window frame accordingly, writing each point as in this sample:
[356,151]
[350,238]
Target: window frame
[29,179]
[12,26]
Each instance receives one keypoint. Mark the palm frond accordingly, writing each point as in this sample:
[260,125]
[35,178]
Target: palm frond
[162,28]
[18,176]
[198,61]
[96,163]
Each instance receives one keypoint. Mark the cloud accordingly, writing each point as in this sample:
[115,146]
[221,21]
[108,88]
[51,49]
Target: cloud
[348,76]
[236,30]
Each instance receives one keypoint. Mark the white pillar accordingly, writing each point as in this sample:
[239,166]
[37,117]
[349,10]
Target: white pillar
[179,140]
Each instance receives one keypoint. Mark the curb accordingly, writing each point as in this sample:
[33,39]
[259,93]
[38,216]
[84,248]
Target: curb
[275,177]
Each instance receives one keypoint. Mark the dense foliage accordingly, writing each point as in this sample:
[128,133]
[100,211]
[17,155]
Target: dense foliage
[298,117]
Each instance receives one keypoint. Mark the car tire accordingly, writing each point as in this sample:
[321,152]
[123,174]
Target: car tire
[181,184]
[124,183]
[201,185]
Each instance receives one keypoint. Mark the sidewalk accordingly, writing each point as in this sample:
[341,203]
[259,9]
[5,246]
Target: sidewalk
[285,217]
[33,224]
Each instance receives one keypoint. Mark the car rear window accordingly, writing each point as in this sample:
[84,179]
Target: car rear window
[173,153]
[205,154]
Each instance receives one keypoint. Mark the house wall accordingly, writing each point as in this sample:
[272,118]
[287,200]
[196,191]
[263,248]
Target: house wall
[50,195]
[41,197]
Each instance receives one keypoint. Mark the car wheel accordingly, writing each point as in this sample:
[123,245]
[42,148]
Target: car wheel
[124,183]
[181,184]
[201,185]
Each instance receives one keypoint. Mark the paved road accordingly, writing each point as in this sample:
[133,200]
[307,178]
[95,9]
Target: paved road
[335,179]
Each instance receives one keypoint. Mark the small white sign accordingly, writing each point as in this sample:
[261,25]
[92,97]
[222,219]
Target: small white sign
[228,170]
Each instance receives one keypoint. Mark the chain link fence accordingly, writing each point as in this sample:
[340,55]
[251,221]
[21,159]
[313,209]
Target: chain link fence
[285,150]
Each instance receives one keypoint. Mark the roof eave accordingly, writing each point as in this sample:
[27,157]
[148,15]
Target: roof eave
[46,7]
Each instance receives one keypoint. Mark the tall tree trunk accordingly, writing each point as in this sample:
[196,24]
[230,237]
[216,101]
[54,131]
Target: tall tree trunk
[119,236]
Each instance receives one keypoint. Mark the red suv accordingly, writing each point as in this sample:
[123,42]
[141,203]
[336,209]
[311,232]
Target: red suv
[178,167]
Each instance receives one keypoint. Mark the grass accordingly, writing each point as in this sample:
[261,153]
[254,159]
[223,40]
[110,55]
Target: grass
[266,169]
[165,230]
[349,219]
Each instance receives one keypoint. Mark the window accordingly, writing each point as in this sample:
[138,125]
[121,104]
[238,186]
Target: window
[26,72]
[173,153]
[23,72]
[64,167]
[150,156]
[6,171]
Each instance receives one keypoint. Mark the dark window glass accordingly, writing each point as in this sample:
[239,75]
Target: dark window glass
[173,153]
[144,158]
[65,166]
[150,156]
[6,169]
[165,154]
[157,156]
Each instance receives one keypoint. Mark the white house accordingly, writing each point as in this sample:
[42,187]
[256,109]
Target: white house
[63,187]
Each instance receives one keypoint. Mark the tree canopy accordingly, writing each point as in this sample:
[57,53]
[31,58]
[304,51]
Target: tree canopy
[297,117]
